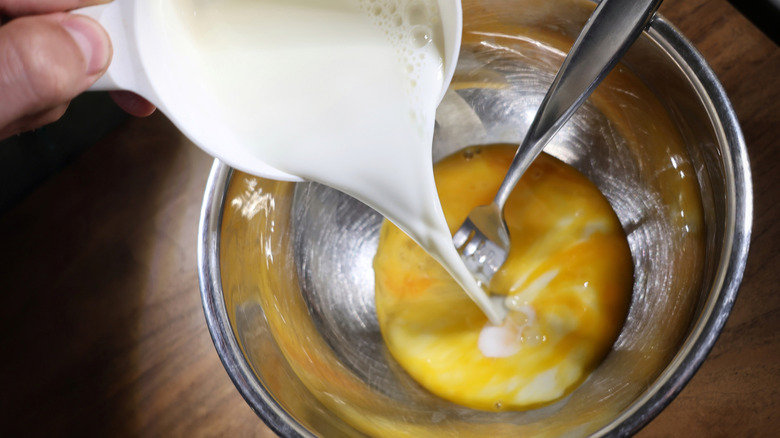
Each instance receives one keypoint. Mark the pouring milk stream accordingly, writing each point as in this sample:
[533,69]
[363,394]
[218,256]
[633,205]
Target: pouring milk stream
[341,92]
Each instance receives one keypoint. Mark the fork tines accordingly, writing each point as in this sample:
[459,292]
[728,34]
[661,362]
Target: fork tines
[481,256]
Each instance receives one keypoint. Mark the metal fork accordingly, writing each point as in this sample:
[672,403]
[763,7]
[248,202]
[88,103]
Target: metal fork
[483,239]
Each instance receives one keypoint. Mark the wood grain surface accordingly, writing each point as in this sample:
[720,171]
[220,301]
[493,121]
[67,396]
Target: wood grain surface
[102,329]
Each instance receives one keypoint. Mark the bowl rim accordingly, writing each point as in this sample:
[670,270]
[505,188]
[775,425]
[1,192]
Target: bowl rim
[694,350]
[737,231]
[215,311]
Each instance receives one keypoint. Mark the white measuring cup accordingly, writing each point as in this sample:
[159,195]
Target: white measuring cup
[147,62]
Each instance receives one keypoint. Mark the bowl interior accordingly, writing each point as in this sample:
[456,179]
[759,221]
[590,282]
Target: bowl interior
[290,295]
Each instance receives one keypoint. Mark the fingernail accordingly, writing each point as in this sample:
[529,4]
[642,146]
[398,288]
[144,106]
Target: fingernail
[92,40]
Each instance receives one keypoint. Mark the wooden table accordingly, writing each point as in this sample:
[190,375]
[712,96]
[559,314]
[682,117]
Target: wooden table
[103,332]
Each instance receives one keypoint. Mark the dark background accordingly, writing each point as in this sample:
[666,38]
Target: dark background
[28,159]
[765,14]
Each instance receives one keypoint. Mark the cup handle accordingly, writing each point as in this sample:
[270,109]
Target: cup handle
[125,72]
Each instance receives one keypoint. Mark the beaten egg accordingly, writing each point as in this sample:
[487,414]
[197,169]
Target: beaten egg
[566,284]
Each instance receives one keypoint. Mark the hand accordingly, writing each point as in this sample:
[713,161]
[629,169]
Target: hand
[48,57]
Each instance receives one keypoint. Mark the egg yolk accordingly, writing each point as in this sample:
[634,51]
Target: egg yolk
[566,284]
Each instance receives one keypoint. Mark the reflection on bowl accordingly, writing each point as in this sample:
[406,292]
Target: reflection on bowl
[286,271]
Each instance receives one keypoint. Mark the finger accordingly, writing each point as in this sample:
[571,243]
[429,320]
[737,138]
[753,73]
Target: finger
[46,61]
[132,103]
[32,121]
[18,8]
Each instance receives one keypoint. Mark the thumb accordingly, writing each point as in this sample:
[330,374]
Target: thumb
[45,61]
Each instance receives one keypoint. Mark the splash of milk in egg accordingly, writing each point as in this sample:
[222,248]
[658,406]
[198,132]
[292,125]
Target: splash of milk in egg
[511,335]
[341,92]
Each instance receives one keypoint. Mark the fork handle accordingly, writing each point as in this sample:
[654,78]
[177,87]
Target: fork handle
[610,31]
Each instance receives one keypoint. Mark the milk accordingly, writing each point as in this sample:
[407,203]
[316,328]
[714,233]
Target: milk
[341,92]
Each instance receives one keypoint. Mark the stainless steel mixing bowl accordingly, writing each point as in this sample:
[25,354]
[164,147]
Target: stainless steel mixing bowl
[286,269]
